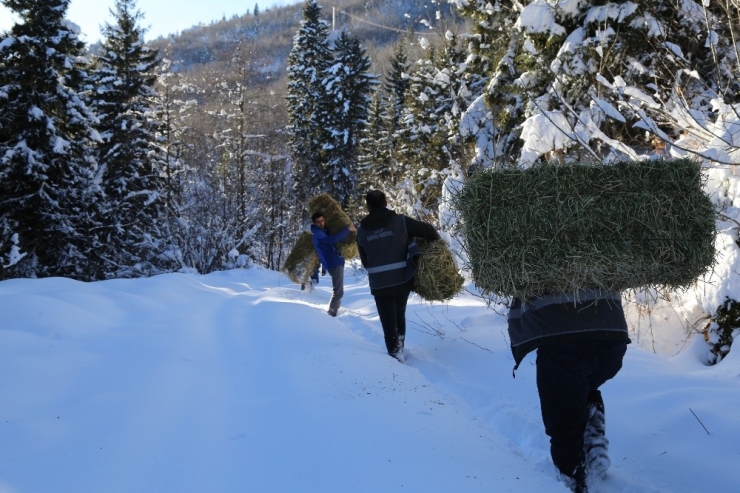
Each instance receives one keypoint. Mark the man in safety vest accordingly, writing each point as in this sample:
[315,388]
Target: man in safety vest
[387,249]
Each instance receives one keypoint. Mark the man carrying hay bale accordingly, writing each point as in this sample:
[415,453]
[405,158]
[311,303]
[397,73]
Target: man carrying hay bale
[563,241]
[331,260]
[386,245]
[580,339]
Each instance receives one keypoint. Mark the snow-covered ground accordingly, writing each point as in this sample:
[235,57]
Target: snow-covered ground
[239,382]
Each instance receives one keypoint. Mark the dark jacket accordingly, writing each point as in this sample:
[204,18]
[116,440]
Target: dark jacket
[586,315]
[324,243]
[383,220]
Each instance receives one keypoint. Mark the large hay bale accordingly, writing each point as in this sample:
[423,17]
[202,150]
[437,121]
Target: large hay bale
[437,276]
[561,228]
[302,259]
[336,220]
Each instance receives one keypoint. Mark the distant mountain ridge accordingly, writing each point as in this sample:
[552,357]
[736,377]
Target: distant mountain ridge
[268,36]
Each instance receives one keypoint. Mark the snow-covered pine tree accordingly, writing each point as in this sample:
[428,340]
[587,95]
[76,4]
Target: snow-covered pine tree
[395,86]
[123,71]
[430,140]
[490,47]
[348,88]
[309,59]
[47,169]
[379,163]
[374,154]
[580,79]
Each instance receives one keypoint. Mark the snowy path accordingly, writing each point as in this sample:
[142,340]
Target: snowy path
[225,388]
[239,382]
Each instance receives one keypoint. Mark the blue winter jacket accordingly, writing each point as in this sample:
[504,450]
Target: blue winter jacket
[324,243]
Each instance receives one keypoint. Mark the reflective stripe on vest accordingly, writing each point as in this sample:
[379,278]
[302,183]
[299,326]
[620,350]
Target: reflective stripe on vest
[411,250]
[383,268]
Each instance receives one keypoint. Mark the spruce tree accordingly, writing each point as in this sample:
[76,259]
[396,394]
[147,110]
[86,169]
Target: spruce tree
[47,170]
[379,157]
[602,82]
[123,98]
[308,61]
[374,156]
[395,86]
[348,88]
[429,135]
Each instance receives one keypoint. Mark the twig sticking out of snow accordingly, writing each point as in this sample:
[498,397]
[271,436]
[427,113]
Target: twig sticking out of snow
[697,418]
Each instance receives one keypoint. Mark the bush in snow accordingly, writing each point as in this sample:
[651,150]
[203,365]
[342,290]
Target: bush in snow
[723,329]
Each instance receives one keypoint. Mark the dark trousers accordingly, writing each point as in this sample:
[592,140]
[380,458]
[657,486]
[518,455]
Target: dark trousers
[566,373]
[392,313]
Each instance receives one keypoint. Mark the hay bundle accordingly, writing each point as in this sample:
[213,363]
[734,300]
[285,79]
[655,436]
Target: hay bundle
[336,220]
[437,277]
[556,228]
[302,259]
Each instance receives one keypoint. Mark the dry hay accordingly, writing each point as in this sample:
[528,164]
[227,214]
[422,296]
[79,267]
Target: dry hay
[336,220]
[302,259]
[553,228]
[437,277]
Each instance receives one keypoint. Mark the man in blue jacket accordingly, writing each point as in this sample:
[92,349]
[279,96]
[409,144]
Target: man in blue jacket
[331,260]
[580,340]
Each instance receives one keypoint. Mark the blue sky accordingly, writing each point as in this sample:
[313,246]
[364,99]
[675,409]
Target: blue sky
[161,16]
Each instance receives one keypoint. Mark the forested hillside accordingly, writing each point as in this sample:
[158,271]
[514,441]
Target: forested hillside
[269,34]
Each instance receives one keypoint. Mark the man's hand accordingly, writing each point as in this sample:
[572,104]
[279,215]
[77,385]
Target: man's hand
[352,227]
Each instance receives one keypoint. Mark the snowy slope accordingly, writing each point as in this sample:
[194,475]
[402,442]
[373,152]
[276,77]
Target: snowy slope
[238,381]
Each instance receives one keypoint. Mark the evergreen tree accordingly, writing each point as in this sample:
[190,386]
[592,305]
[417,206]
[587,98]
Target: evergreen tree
[123,98]
[594,81]
[379,160]
[492,48]
[47,170]
[373,161]
[395,86]
[429,135]
[348,88]
[308,61]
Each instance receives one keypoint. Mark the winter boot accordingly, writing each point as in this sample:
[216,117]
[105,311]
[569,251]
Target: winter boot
[580,480]
[595,443]
[401,340]
[577,481]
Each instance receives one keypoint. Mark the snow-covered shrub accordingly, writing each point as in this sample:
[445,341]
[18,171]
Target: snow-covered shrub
[10,254]
[723,329]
